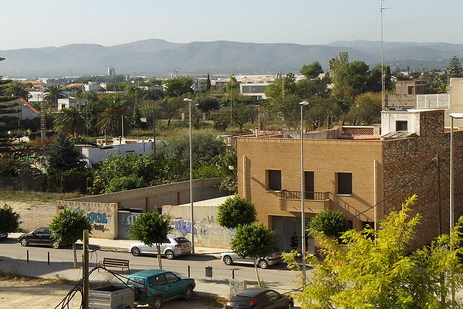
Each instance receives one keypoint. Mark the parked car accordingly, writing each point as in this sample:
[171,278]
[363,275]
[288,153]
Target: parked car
[3,236]
[155,286]
[173,246]
[259,298]
[231,257]
[40,236]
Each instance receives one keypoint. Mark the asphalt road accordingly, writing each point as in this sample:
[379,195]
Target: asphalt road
[278,276]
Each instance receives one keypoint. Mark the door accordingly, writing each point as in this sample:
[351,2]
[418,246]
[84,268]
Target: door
[175,286]
[309,185]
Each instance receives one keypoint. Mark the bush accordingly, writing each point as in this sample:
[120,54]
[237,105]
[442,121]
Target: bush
[125,183]
[329,222]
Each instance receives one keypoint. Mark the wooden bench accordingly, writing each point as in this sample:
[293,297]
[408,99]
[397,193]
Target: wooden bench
[116,263]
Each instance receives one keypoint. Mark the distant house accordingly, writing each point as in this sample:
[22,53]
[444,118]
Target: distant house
[64,103]
[24,109]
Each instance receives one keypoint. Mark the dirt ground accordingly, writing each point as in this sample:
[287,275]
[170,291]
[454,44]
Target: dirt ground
[46,294]
[33,214]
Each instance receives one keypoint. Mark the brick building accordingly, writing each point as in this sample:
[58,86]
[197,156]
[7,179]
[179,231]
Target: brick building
[350,173]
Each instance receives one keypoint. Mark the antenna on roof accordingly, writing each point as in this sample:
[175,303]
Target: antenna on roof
[383,85]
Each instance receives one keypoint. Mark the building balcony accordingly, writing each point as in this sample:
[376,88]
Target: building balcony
[314,202]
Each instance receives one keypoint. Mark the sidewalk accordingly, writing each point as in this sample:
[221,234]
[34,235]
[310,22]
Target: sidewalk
[204,287]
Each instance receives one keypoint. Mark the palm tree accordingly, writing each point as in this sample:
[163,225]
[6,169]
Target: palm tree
[70,121]
[114,116]
[16,89]
[52,95]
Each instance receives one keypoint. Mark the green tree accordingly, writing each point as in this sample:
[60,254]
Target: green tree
[255,241]
[329,222]
[114,117]
[16,89]
[454,68]
[67,227]
[236,211]
[151,228]
[208,104]
[70,121]
[311,71]
[62,156]
[125,183]
[366,109]
[377,270]
[9,220]
[281,87]
[8,122]
[179,86]
[52,94]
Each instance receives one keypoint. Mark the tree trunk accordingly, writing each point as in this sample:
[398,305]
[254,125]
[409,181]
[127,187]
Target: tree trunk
[159,255]
[75,254]
[259,283]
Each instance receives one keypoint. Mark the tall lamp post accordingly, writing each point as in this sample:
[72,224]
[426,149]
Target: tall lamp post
[303,240]
[191,178]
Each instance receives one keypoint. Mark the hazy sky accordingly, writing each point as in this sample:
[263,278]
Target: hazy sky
[26,23]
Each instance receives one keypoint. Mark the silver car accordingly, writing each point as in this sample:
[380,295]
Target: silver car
[231,257]
[170,248]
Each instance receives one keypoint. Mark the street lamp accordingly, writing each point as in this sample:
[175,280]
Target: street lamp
[191,178]
[302,104]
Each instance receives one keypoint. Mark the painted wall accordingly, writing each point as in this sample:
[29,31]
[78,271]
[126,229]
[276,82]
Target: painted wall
[208,233]
[102,216]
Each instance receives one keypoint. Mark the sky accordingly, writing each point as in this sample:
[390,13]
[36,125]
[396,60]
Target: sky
[27,23]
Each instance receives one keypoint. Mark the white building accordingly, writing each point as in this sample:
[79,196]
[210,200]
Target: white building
[70,102]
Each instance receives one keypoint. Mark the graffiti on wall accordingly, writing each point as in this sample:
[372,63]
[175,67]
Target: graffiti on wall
[129,219]
[97,219]
[183,226]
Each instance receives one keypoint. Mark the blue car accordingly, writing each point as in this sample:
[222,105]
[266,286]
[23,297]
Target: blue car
[155,286]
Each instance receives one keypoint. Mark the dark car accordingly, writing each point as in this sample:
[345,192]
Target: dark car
[155,286]
[259,298]
[40,236]
[3,236]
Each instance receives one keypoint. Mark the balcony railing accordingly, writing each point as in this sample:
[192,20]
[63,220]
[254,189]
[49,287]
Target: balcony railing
[308,195]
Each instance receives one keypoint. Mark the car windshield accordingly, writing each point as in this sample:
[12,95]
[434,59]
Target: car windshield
[181,240]
[241,299]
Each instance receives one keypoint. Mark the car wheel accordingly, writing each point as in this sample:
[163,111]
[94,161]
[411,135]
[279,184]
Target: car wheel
[170,254]
[262,264]
[188,292]
[135,251]
[156,303]
[227,260]
[24,242]
[55,244]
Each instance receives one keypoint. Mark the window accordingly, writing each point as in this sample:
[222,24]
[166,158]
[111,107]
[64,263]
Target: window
[274,180]
[368,224]
[171,278]
[344,181]
[401,125]
[350,224]
[309,185]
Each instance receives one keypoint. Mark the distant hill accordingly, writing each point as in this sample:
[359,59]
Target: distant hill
[155,57]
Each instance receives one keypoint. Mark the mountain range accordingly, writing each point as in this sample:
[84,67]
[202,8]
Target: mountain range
[161,58]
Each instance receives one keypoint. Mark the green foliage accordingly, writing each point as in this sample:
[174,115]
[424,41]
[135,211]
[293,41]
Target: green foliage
[9,220]
[68,226]
[62,156]
[70,121]
[311,71]
[375,270]
[9,121]
[254,241]
[151,228]
[329,222]
[148,168]
[366,110]
[454,68]
[236,211]
[176,87]
[281,87]
[208,104]
[125,183]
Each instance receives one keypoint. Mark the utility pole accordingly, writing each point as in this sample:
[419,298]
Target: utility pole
[85,263]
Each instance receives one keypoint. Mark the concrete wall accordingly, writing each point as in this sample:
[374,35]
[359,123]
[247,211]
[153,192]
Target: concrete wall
[208,233]
[389,119]
[168,194]
[94,155]
[102,216]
